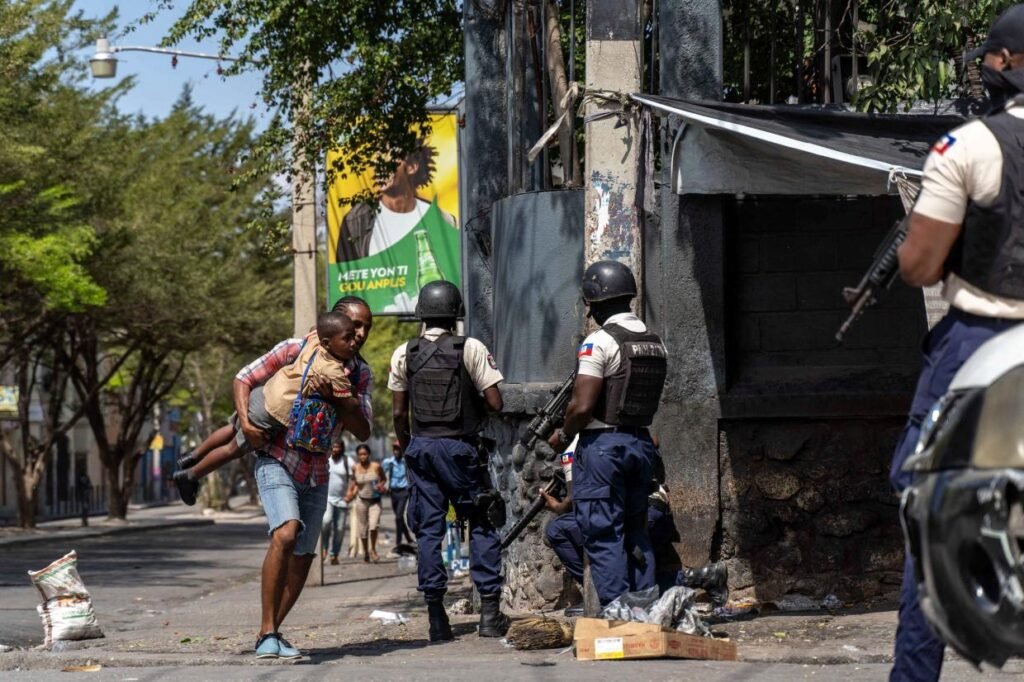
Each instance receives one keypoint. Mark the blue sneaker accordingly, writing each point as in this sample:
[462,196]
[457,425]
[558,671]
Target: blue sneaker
[268,646]
[285,648]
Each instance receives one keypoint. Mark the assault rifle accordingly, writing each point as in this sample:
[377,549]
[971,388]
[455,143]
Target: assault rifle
[554,487]
[549,416]
[877,279]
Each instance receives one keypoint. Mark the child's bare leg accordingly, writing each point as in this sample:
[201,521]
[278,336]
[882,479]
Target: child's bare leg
[218,438]
[217,458]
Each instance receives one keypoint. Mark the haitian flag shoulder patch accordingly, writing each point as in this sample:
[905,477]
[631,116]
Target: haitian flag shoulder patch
[943,145]
[585,350]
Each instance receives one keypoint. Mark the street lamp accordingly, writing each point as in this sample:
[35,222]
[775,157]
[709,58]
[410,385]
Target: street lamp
[104,62]
[104,65]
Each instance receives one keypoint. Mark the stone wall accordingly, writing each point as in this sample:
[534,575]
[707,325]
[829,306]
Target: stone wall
[807,508]
[534,578]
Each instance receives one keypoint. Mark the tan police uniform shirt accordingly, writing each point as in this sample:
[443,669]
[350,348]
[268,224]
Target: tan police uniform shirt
[280,391]
[599,355]
[478,360]
[966,165]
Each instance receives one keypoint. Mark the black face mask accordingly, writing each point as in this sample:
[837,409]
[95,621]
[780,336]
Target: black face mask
[1002,85]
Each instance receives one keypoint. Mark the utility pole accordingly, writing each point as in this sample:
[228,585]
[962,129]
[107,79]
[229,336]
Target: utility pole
[303,223]
[614,64]
[613,232]
[304,251]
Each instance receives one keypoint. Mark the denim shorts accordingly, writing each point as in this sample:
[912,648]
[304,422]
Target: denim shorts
[286,500]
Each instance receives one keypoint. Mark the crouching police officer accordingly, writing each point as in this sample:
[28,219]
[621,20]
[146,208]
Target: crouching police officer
[562,534]
[966,230]
[437,381]
[620,375]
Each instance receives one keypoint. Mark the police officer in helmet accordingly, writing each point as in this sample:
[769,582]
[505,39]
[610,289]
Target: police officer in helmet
[620,375]
[966,231]
[442,387]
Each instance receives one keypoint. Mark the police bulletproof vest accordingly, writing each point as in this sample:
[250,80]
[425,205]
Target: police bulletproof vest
[444,401]
[989,253]
[630,397]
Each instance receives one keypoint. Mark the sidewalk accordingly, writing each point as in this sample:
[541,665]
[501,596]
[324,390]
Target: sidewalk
[140,518]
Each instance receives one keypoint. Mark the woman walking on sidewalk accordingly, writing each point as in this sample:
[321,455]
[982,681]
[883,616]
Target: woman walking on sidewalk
[367,484]
[398,487]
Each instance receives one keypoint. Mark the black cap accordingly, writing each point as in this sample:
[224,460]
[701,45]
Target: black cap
[439,299]
[608,279]
[1007,33]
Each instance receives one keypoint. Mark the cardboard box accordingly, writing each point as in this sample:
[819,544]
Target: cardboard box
[596,640]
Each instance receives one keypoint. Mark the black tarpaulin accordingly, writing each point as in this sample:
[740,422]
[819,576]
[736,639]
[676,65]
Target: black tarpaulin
[748,149]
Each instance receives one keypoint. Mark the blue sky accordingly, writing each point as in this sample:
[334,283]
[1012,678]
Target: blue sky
[157,84]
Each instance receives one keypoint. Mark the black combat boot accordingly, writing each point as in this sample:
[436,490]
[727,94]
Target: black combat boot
[713,579]
[440,629]
[493,623]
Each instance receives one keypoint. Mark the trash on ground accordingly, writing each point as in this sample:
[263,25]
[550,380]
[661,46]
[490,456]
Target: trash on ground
[389,617]
[460,607]
[831,602]
[66,611]
[406,563]
[92,668]
[738,609]
[4,648]
[598,639]
[852,648]
[674,610]
[539,632]
[797,602]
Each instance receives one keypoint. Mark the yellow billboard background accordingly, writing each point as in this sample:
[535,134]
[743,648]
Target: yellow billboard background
[444,187]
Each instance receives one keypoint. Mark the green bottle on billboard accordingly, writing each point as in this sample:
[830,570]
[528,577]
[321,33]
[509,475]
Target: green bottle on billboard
[426,266]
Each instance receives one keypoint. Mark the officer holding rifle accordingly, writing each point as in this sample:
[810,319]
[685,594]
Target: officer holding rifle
[967,231]
[621,370]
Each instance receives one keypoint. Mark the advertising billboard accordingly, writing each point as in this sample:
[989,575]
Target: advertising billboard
[385,251]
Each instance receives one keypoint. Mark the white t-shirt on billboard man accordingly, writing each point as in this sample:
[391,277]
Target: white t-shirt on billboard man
[390,227]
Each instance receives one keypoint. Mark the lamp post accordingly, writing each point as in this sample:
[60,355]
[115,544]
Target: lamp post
[103,64]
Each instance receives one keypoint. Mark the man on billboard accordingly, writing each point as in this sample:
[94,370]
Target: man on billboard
[369,229]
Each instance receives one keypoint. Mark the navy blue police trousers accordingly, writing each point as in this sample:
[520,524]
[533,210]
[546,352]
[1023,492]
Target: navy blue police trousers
[443,471]
[563,535]
[947,347]
[611,479]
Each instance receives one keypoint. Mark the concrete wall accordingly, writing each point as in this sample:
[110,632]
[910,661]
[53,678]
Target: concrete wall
[808,426]
[537,265]
[537,239]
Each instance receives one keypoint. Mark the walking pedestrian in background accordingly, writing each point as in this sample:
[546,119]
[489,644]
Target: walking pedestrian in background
[368,481]
[398,487]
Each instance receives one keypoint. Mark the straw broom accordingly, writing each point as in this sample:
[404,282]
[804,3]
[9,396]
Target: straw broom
[539,632]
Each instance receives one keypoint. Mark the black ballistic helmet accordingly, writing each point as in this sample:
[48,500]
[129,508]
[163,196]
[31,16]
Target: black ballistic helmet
[439,299]
[963,516]
[608,279]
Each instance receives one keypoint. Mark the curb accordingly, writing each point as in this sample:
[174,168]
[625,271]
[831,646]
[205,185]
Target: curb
[82,534]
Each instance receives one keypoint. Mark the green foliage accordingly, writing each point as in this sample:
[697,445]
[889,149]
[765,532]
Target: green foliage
[388,334]
[359,75]
[44,237]
[915,49]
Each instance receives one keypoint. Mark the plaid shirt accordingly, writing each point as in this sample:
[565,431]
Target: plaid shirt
[304,468]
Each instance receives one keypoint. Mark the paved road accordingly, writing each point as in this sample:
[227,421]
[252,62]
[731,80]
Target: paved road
[561,668]
[132,575]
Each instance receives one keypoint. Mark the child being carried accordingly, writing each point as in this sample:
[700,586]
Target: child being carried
[321,359]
